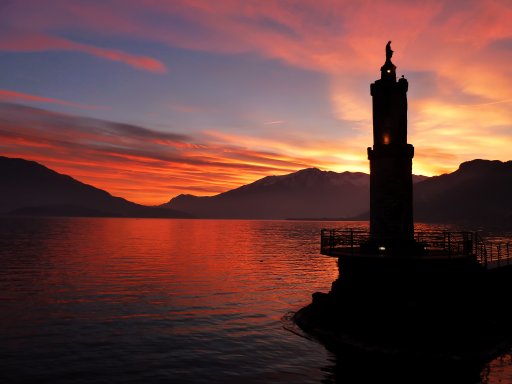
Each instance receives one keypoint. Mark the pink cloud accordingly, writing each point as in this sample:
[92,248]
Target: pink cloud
[13,96]
[325,36]
[35,42]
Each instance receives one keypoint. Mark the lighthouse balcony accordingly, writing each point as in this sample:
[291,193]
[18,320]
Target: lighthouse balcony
[424,245]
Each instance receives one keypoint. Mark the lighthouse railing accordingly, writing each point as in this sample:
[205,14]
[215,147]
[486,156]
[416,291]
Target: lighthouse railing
[348,240]
[446,243]
[494,252]
[490,253]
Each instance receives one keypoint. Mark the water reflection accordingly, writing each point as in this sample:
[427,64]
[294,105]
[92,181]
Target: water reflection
[155,300]
[119,300]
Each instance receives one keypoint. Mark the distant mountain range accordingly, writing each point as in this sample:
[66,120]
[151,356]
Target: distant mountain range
[306,193]
[477,194]
[309,193]
[29,188]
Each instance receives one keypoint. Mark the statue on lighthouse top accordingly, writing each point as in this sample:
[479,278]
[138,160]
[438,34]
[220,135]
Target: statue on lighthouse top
[389,52]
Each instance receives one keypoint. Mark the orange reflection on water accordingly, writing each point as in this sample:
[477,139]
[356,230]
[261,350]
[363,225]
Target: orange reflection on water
[190,267]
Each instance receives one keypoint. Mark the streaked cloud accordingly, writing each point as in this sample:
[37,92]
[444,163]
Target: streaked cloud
[16,41]
[13,96]
[135,162]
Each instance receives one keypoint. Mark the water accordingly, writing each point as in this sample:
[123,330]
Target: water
[165,301]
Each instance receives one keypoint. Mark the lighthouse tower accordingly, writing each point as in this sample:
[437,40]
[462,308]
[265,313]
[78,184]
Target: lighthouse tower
[391,221]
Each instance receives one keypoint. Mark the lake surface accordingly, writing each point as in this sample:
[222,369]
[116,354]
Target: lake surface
[100,300]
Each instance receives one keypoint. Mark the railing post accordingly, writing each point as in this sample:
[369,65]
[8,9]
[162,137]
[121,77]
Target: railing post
[449,246]
[468,243]
[508,253]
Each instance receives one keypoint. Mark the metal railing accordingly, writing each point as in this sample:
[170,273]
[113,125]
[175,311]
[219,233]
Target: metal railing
[347,239]
[490,253]
[446,243]
[493,253]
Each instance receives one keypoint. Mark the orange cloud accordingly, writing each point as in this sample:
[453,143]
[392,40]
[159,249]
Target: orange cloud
[112,155]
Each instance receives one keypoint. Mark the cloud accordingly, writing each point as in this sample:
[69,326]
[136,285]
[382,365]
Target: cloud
[327,36]
[139,163]
[453,53]
[13,96]
[16,41]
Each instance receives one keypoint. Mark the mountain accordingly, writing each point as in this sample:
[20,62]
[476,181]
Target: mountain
[29,188]
[477,193]
[309,193]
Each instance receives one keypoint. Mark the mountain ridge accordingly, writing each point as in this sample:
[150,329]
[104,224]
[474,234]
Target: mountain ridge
[308,192]
[30,188]
[477,193]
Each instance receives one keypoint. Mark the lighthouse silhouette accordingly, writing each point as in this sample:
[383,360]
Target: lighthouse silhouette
[400,293]
[391,218]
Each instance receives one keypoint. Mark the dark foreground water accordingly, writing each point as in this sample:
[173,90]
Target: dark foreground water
[170,301]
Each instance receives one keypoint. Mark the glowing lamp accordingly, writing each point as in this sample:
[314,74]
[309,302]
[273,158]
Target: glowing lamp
[382,248]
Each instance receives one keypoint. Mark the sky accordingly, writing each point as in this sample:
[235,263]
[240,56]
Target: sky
[151,99]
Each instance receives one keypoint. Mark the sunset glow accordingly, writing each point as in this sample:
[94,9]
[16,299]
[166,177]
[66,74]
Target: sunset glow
[151,100]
